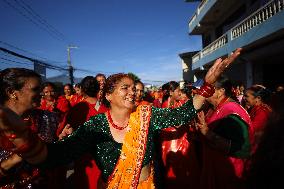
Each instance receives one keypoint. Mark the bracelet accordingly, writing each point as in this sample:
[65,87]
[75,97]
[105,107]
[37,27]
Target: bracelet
[206,90]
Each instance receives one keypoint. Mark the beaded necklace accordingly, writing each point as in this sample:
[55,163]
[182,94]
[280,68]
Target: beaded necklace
[113,124]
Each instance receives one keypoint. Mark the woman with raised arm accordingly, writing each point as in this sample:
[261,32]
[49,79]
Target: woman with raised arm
[121,140]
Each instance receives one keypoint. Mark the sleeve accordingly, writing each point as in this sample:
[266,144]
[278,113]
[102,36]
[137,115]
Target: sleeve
[166,117]
[260,120]
[74,146]
[235,129]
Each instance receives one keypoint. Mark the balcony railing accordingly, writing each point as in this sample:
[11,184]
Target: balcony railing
[200,7]
[261,15]
[218,43]
[192,20]
[196,57]
[258,17]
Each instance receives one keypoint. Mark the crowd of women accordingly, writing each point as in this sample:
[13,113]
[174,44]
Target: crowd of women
[113,135]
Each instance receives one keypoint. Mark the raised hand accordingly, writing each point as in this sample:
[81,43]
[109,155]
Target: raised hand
[66,131]
[219,66]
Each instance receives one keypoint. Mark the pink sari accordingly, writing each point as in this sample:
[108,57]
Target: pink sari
[220,171]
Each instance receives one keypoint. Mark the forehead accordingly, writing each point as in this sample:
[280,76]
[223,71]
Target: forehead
[48,88]
[100,78]
[126,81]
[139,85]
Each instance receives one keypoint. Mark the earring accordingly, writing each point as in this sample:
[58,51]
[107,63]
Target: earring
[13,97]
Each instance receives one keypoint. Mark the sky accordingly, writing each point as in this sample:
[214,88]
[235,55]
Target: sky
[142,37]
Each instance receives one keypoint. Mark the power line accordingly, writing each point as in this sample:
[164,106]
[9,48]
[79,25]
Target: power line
[28,18]
[25,51]
[35,55]
[35,15]
[33,60]
[22,63]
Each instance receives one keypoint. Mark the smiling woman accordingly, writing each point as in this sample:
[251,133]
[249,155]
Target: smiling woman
[19,91]
[124,155]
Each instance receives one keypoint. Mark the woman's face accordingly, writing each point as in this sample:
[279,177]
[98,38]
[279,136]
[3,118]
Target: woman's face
[139,91]
[101,80]
[48,93]
[67,90]
[123,95]
[250,99]
[29,96]
[78,90]
[176,94]
[215,98]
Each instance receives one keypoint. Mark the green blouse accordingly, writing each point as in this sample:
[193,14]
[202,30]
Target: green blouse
[94,137]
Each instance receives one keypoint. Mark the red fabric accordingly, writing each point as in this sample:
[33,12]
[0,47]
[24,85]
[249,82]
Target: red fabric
[46,178]
[60,104]
[86,171]
[259,116]
[75,99]
[157,103]
[178,151]
[143,102]
[220,171]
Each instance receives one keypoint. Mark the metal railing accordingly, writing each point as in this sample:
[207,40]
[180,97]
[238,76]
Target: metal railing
[196,57]
[258,17]
[200,7]
[261,15]
[218,43]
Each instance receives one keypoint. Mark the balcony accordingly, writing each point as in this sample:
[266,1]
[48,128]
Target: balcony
[209,12]
[263,22]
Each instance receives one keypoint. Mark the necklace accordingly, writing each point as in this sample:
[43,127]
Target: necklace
[113,124]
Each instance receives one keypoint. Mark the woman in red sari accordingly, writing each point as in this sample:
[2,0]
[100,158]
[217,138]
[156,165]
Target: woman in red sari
[20,92]
[86,173]
[77,97]
[68,91]
[179,159]
[226,135]
[139,86]
[50,102]
[257,97]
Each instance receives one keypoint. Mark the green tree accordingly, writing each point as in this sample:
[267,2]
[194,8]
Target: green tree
[134,77]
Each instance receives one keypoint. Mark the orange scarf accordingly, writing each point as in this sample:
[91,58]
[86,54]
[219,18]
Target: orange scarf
[127,171]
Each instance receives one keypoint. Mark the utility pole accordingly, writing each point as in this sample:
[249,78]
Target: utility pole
[71,70]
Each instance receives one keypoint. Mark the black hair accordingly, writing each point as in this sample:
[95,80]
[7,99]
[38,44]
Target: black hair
[90,86]
[260,91]
[225,83]
[14,79]
[169,87]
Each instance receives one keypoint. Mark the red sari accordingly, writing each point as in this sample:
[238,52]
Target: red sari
[178,151]
[44,124]
[86,171]
[61,104]
[219,170]
[75,99]
[259,116]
